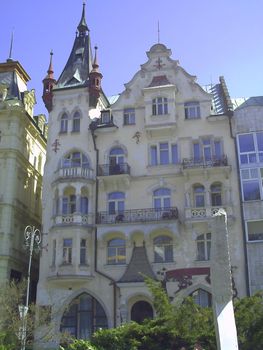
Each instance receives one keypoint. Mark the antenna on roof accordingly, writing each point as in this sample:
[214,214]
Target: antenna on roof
[11,46]
[158,33]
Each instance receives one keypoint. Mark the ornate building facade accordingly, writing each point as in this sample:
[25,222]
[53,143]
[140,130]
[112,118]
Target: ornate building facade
[131,184]
[22,159]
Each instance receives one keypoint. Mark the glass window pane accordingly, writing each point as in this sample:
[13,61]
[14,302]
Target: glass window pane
[260,141]
[246,143]
[175,154]
[251,190]
[153,155]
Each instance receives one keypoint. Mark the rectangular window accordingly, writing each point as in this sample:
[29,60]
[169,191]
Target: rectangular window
[163,154]
[129,116]
[207,151]
[250,184]
[67,251]
[154,160]
[247,149]
[83,252]
[192,110]
[175,158]
[218,149]
[76,125]
[255,230]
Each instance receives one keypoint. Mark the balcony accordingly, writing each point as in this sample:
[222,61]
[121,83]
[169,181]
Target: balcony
[204,163]
[204,213]
[74,173]
[116,169]
[74,219]
[138,215]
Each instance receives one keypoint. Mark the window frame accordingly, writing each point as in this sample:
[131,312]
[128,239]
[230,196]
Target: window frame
[160,106]
[116,251]
[76,122]
[248,178]
[64,123]
[253,156]
[83,252]
[260,235]
[156,153]
[164,245]
[162,195]
[203,247]
[192,110]
[129,116]
[199,194]
[216,194]
[118,199]
[67,251]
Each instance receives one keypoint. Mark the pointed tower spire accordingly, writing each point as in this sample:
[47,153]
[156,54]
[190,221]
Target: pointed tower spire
[95,81]
[82,27]
[11,47]
[48,84]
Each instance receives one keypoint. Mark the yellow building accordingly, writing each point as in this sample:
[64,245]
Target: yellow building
[22,159]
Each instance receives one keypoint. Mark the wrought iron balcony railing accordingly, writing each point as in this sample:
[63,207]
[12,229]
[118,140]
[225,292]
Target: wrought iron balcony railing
[116,169]
[138,215]
[204,163]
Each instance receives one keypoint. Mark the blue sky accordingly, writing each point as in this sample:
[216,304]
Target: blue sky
[209,37]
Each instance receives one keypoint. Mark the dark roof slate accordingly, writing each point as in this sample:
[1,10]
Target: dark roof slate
[252,101]
[138,267]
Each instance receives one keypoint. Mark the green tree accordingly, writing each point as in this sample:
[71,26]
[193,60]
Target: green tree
[12,295]
[249,321]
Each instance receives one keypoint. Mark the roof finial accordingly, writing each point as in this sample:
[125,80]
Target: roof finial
[50,68]
[11,47]
[82,27]
[158,33]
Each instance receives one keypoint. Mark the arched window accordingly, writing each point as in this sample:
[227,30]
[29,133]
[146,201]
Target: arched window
[202,298]
[83,317]
[163,249]
[64,123]
[75,159]
[159,106]
[140,311]
[116,202]
[216,195]
[199,196]
[116,251]
[162,198]
[203,244]
[76,122]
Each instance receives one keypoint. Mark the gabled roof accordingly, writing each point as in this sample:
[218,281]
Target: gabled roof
[138,267]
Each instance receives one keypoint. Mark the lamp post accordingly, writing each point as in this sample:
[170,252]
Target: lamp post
[32,241]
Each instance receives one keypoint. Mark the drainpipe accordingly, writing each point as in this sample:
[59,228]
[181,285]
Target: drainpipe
[112,281]
[230,115]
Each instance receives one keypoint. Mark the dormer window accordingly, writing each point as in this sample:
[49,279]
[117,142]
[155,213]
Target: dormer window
[192,110]
[159,106]
[105,117]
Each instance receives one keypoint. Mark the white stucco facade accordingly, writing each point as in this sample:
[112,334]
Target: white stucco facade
[137,185]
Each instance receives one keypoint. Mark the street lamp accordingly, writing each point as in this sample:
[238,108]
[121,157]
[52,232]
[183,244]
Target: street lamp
[32,241]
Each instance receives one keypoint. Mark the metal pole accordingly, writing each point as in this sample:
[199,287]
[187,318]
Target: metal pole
[34,236]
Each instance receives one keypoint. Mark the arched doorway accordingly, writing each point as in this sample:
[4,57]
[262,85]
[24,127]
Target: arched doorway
[140,311]
[83,317]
